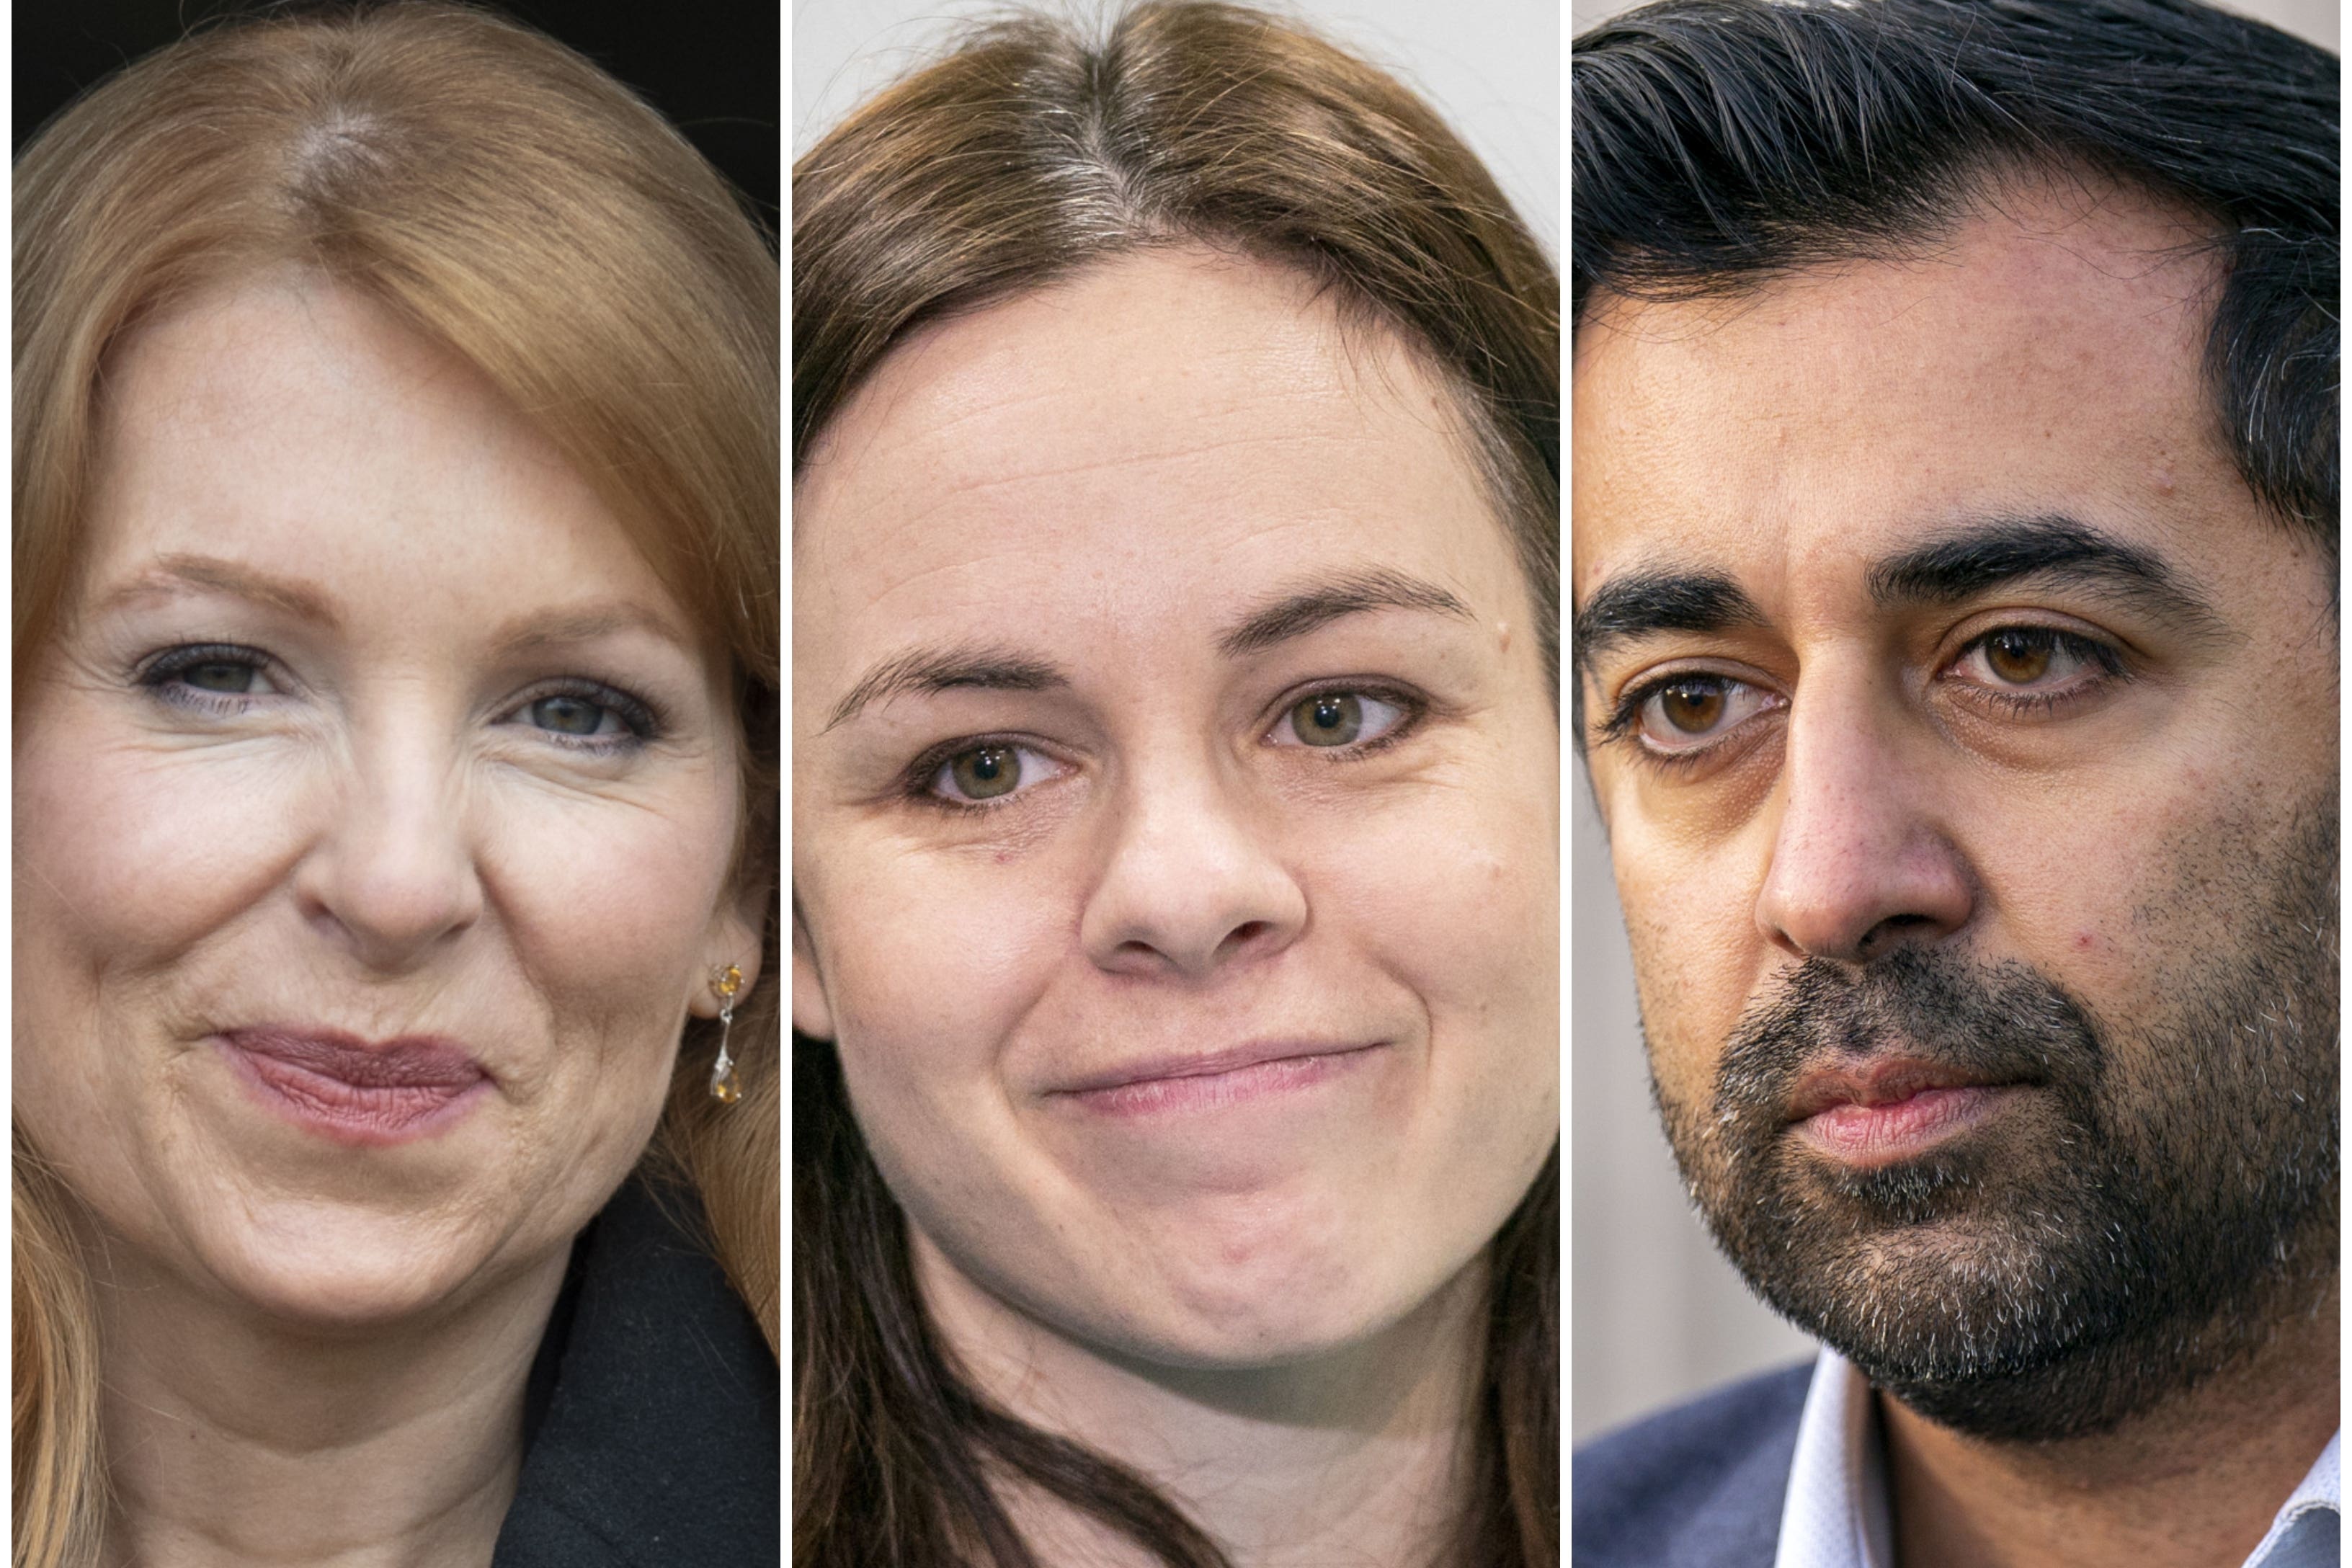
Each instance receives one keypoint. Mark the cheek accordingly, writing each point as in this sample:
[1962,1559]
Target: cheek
[134,854]
[1472,930]
[608,900]
[1697,950]
[929,963]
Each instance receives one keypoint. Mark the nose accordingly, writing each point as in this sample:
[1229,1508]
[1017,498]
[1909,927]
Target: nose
[1860,864]
[391,875]
[1191,884]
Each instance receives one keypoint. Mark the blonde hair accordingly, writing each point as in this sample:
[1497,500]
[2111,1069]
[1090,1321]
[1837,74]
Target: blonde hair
[507,200]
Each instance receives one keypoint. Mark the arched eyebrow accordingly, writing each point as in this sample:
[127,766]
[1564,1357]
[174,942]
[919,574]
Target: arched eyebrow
[185,573]
[928,669]
[1301,610]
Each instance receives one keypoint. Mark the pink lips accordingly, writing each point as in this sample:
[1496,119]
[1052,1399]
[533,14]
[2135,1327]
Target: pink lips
[1891,1109]
[1214,1081]
[353,1090]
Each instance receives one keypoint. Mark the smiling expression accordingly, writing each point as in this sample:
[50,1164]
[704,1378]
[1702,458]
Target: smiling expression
[374,821]
[1175,812]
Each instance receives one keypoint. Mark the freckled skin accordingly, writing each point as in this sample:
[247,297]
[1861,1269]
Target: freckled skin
[380,842]
[1105,474]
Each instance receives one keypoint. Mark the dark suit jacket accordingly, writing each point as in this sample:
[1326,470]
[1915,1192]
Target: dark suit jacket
[652,1416]
[1698,1487]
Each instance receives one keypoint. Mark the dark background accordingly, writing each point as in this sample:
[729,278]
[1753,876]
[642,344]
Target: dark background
[714,68]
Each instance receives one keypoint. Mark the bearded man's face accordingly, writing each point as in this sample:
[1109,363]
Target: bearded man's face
[1967,737]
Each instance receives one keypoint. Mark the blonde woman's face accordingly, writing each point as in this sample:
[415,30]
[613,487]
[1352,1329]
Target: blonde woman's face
[373,814]
[1175,814]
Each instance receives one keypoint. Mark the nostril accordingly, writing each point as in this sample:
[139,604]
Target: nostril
[1889,932]
[1243,935]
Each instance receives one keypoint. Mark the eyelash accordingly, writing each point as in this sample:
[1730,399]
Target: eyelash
[916,783]
[2104,656]
[159,674]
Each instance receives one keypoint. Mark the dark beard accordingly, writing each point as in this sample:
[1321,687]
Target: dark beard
[2131,1222]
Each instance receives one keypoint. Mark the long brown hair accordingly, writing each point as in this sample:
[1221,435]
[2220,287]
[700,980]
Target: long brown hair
[511,202]
[1025,154]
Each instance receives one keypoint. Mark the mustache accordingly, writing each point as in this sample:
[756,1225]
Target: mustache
[2004,1023]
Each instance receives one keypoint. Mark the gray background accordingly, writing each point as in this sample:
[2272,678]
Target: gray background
[1657,1314]
[1492,68]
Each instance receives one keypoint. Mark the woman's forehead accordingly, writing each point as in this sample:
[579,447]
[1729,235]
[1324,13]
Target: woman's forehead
[1161,433]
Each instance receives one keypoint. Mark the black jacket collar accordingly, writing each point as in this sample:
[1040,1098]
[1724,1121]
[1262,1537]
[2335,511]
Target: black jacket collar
[653,1438]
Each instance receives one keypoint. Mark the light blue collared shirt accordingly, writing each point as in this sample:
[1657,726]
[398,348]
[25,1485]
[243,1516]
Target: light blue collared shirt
[1836,1514]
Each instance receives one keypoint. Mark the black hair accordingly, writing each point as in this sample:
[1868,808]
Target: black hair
[1721,143]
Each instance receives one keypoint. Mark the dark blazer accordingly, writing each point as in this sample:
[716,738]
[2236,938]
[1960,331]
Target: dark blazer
[1698,1487]
[651,1427]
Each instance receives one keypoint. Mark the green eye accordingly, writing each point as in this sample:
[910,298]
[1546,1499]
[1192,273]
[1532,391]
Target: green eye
[985,773]
[568,715]
[1328,718]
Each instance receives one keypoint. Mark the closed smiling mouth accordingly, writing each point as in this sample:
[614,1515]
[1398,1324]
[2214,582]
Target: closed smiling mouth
[1211,1080]
[354,1091]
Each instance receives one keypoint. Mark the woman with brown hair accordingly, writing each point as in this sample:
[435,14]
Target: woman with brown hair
[396,1105]
[1176,817]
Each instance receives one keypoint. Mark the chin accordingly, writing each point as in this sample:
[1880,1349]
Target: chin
[331,1268]
[1229,1313]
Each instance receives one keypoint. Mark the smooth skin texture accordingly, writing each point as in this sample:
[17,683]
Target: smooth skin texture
[1081,495]
[399,796]
[1873,773]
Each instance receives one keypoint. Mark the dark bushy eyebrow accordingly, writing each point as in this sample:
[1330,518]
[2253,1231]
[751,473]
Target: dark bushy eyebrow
[946,669]
[1642,603]
[1986,555]
[1296,613]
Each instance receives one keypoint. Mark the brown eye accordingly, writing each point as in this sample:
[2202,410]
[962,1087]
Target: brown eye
[987,772]
[1693,707]
[1689,714]
[1328,718]
[2018,655]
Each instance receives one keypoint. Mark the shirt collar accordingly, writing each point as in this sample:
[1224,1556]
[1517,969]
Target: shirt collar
[1836,1514]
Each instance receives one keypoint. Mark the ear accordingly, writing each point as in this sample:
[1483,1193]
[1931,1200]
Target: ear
[812,1013]
[734,938]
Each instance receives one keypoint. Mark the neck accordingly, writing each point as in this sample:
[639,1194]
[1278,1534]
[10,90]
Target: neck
[1357,1456]
[236,1438]
[2195,1481]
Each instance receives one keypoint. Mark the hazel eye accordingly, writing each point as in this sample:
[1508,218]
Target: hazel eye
[1332,718]
[986,774]
[1689,712]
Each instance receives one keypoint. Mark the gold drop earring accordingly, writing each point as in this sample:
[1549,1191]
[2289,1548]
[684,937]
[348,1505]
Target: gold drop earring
[725,981]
